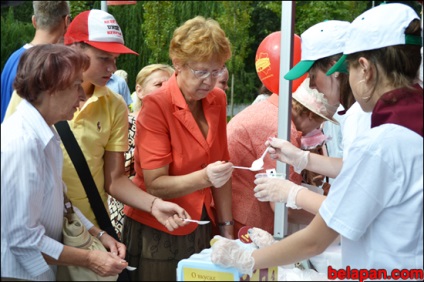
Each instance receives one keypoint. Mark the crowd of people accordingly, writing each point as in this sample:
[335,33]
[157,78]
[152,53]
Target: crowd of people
[166,153]
[375,203]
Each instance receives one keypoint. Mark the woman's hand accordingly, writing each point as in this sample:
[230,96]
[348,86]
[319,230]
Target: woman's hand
[169,214]
[286,152]
[270,189]
[105,263]
[260,237]
[115,247]
[218,173]
[228,253]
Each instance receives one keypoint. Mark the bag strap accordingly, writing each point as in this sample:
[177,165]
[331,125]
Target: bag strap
[68,204]
[84,173]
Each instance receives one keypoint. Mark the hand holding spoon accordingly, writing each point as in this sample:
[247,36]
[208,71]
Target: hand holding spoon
[257,164]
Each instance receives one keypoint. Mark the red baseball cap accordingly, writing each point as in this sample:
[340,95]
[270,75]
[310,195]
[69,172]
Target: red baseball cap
[98,29]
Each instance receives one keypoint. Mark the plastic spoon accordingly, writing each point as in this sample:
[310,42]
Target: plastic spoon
[257,164]
[201,222]
[245,167]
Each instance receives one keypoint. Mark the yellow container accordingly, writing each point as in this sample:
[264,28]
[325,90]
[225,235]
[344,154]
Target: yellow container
[199,267]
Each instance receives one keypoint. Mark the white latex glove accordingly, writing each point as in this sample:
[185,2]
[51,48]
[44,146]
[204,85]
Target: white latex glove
[286,152]
[269,189]
[227,253]
[260,237]
[218,173]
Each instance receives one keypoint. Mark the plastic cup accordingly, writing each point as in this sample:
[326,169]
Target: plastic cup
[278,175]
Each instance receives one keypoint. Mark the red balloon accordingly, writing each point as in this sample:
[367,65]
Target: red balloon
[267,61]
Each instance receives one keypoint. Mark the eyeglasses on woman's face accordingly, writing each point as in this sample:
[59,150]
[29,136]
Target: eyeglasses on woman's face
[202,74]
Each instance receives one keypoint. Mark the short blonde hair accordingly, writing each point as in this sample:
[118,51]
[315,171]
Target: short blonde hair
[143,74]
[199,39]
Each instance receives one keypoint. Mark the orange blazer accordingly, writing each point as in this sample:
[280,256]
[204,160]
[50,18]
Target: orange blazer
[168,134]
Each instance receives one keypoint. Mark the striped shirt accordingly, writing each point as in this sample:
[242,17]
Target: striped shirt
[31,195]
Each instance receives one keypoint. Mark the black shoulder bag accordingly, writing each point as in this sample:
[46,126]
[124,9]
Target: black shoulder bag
[84,173]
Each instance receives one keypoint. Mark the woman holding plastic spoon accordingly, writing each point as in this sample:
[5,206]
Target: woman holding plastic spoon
[181,154]
[247,133]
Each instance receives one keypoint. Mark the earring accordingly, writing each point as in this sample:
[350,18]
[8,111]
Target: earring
[336,75]
[362,90]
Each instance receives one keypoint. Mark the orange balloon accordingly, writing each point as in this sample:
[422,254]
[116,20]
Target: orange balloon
[267,61]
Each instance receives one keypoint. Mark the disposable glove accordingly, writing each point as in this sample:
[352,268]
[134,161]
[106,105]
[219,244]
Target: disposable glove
[269,189]
[218,173]
[286,152]
[260,237]
[227,253]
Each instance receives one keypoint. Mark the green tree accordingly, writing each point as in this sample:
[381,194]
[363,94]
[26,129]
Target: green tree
[130,19]
[235,19]
[148,27]
[15,35]
[266,19]
[159,23]
[81,6]
[21,12]
[309,13]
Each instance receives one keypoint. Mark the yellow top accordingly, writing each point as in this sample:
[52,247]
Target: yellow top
[14,102]
[101,125]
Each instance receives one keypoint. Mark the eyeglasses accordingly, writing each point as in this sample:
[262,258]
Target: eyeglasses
[201,74]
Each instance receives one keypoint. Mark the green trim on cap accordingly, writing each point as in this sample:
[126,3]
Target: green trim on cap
[339,66]
[299,69]
[413,40]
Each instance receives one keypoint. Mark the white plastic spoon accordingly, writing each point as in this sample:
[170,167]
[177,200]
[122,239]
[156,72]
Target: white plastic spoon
[257,164]
[131,268]
[201,222]
[245,167]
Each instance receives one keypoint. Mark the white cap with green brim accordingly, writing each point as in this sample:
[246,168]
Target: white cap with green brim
[321,40]
[376,28]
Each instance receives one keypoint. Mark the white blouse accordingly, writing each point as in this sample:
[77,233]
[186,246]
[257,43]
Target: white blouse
[31,196]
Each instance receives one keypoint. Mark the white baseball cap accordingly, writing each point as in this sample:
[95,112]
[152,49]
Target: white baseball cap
[98,29]
[321,40]
[378,27]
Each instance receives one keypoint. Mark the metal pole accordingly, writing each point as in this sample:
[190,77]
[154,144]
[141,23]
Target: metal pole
[284,104]
[103,5]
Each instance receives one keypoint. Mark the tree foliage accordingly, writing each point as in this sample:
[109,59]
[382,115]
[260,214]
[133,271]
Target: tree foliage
[235,19]
[15,36]
[81,6]
[148,27]
[309,13]
[159,23]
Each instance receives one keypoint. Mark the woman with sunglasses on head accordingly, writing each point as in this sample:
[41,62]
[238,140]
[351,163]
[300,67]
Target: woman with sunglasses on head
[181,154]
